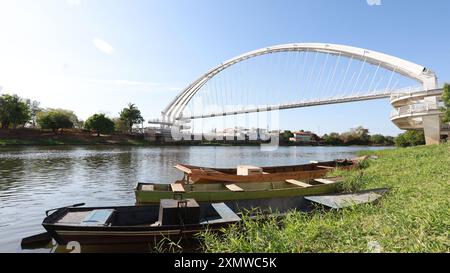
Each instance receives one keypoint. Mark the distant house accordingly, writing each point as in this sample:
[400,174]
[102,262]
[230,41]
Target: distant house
[304,137]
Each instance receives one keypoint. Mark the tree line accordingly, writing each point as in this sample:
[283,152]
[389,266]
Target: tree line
[16,112]
[19,112]
[362,136]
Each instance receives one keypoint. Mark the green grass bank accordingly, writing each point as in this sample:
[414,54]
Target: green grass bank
[413,217]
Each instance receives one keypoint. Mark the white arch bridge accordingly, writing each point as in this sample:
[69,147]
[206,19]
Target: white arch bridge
[311,74]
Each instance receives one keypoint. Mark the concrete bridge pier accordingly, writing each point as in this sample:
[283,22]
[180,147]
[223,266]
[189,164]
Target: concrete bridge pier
[432,123]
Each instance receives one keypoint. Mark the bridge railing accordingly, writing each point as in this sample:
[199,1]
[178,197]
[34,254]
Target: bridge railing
[407,91]
[419,108]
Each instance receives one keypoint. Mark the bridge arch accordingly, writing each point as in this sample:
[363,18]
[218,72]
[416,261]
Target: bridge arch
[419,73]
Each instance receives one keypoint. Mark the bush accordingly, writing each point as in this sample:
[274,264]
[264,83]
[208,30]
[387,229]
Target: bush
[446,99]
[56,119]
[410,138]
[99,123]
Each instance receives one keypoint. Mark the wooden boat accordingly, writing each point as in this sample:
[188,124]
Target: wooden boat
[137,224]
[246,174]
[220,192]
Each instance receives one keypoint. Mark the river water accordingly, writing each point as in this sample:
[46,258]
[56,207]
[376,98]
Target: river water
[35,179]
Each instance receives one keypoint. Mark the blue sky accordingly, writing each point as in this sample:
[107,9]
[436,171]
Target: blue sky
[96,56]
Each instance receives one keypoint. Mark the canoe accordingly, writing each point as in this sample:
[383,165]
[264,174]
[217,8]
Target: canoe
[246,174]
[221,192]
[137,224]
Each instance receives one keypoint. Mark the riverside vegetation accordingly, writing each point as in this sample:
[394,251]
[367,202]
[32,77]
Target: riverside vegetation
[413,217]
[23,122]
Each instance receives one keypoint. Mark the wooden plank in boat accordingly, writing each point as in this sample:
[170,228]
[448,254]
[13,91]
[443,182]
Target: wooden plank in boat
[148,187]
[225,213]
[298,183]
[325,167]
[73,217]
[324,181]
[177,187]
[183,168]
[233,187]
[98,217]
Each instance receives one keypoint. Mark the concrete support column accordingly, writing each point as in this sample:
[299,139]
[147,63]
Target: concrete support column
[432,124]
[432,129]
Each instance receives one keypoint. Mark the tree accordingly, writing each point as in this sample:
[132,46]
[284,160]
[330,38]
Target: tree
[99,123]
[120,125]
[56,119]
[356,136]
[410,138]
[13,111]
[332,139]
[34,110]
[286,135]
[131,116]
[377,139]
[446,99]
[389,140]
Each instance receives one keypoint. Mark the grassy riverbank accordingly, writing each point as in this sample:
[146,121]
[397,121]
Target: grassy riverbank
[35,137]
[413,217]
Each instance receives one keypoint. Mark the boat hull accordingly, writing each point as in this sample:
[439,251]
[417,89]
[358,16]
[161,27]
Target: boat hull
[126,225]
[203,175]
[153,197]
[106,235]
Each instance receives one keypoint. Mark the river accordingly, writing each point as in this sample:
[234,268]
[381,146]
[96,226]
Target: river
[34,179]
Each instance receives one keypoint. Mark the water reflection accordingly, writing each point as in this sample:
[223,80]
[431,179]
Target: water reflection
[34,179]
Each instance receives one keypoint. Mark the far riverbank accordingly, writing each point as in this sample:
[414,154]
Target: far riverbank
[74,137]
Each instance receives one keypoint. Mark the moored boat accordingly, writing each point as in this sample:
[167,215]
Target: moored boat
[221,192]
[246,174]
[137,224]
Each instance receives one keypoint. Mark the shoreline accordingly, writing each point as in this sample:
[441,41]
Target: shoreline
[144,143]
[27,137]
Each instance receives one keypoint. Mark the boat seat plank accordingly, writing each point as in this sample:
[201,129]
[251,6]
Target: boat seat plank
[233,187]
[183,168]
[73,218]
[226,214]
[324,181]
[298,183]
[325,167]
[98,217]
[148,187]
[177,187]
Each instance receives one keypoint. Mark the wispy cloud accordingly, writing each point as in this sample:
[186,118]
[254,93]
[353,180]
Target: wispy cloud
[128,83]
[374,2]
[73,3]
[103,46]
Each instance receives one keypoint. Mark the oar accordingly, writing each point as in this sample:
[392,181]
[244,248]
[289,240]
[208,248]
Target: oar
[72,206]
[37,240]
[44,238]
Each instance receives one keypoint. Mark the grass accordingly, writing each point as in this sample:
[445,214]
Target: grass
[69,141]
[413,217]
